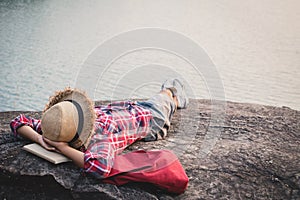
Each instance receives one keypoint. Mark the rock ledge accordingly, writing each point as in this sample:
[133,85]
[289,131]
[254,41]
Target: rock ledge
[255,156]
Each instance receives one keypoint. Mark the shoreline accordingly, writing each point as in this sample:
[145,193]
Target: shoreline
[255,157]
[99,102]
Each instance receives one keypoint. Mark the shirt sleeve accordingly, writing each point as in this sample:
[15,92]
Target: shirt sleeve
[23,120]
[99,157]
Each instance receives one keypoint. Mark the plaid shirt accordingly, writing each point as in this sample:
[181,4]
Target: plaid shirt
[117,126]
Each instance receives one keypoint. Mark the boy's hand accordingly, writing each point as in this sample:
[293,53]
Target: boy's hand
[58,146]
[63,147]
[41,142]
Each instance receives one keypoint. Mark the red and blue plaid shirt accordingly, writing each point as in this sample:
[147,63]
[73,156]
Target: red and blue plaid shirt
[117,126]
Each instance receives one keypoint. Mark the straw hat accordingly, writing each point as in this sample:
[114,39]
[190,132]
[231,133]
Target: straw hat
[69,117]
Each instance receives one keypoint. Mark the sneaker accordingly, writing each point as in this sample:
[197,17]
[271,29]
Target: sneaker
[177,89]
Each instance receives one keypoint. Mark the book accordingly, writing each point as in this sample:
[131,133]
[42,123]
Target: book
[50,156]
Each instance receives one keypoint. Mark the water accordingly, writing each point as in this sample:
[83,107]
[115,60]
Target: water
[254,46]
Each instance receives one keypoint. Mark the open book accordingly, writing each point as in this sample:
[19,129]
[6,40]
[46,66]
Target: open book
[51,156]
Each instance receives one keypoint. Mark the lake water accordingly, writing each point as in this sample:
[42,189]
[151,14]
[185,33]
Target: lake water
[254,45]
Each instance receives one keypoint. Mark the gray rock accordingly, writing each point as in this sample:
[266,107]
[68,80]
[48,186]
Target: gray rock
[245,151]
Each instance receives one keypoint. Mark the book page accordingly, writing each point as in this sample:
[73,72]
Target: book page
[51,156]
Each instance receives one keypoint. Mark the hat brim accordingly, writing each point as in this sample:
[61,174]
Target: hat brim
[87,106]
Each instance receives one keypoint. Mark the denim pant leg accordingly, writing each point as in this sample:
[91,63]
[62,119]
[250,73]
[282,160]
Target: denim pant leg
[162,108]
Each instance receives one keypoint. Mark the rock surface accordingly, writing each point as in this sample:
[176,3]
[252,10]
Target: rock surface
[246,151]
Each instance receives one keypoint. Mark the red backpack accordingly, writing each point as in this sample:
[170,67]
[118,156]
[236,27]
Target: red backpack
[159,167]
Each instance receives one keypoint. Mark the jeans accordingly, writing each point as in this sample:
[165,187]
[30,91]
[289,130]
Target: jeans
[162,107]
